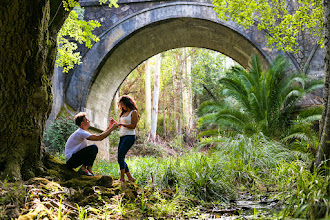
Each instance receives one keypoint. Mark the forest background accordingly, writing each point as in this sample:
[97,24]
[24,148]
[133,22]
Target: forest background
[244,157]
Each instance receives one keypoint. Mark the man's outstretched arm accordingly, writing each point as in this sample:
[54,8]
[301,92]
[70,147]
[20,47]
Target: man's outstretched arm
[104,134]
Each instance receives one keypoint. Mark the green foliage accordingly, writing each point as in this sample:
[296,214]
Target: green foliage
[259,101]
[282,22]
[301,135]
[309,193]
[57,134]
[74,28]
[255,164]
[70,4]
[111,3]
[208,66]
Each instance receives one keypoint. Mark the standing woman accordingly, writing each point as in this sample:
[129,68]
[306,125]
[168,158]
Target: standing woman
[129,117]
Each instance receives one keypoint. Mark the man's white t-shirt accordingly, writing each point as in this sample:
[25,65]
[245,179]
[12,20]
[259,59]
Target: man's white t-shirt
[76,142]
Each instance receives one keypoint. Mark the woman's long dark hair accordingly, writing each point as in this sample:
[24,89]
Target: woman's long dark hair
[129,102]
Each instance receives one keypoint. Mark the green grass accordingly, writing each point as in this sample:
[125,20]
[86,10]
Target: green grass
[234,163]
[255,164]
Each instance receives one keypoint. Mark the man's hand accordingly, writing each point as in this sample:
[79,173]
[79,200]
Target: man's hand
[112,126]
[115,125]
[112,122]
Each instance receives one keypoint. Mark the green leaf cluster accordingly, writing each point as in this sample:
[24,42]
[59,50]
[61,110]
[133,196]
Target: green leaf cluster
[207,68]
[281,20]
[57,133]
[111,3]
[258,101]
[76,30]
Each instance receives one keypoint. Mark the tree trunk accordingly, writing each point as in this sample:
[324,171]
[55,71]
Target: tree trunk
[187,108]
[28,31]
[323,151]
[147,96]
[176,103]
[156,98]
[164,114]
[187,92]
[177,90]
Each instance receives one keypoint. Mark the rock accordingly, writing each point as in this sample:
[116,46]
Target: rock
[105,181]
[88,191]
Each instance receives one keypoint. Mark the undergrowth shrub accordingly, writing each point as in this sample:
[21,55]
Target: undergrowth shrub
[192,174]
[57,134]
[145,147]
[204,178]
[309,195]
[251,161]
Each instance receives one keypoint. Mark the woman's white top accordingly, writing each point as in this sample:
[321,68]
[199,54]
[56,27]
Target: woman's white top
[124,130]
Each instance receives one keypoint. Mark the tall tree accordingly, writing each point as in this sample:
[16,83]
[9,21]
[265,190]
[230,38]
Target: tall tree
[177,91]
[28,32]
[155,97]
[187,91]
[147,96]
[27,55]
[323,152]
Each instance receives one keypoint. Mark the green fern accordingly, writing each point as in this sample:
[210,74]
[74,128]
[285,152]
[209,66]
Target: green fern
[258,101]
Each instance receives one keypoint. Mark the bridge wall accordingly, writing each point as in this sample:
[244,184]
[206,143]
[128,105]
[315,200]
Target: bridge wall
[139,32]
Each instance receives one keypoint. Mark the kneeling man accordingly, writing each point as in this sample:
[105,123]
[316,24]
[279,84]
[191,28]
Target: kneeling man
[76,150]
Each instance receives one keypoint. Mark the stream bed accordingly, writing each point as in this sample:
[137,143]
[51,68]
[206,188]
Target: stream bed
[245,207]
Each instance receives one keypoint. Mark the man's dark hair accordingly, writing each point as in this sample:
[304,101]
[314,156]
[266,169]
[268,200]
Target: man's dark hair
[79,118]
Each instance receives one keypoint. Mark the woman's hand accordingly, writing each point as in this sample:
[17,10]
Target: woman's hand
[134,121]
[112,122]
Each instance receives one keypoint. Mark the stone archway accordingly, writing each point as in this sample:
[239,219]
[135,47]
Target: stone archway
[145,34]
[148,32]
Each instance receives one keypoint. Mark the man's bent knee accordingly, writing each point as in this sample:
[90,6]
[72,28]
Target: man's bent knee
[93,148]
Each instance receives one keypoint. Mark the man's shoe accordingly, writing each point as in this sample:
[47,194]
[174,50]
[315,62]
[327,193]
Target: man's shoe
[86,172]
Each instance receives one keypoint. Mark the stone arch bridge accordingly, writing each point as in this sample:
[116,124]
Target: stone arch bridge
[139,29]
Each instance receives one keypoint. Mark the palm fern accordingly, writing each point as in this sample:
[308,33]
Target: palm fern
[258,101]
[300,135]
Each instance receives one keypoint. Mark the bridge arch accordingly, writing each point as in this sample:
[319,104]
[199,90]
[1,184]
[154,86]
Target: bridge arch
[148,32]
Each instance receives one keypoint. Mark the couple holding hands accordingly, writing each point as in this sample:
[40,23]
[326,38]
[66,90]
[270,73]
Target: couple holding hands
[78,153]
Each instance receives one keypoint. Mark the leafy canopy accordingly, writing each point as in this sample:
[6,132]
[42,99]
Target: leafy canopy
[282,20]
[76,30]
